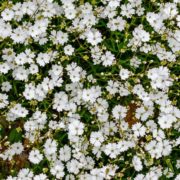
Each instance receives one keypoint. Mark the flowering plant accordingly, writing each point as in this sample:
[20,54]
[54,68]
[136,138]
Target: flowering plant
[89,89]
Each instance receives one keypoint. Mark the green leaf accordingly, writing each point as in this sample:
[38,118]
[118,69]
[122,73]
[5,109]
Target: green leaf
[168,162]
[15,136]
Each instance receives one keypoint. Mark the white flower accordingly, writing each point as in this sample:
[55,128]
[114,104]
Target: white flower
[107,59]
[4,68]
[119,112]
[59,37]
[178,164]
[139,130]
[25,174]
[73,166]
[112,87]
[29,92]
[137,163]
[43,58]
[124,74]
[166,120]
[39,27]
[93,36]
[141,34]
[50,146]
[74,71]
[33,69]
[65,153]
[76,127]
[91,94]
[40,177]
[6,86]
[135,62]
[18,148]
[139,177]
[158,134]
[177,177]
[96,138]
[16,111]
[3,100]
[58,170]
[7,14]
[112,150]
[159,149]
[160,77]
[70,13]
[20,73]
[68,50]
[35,157]
[117,24]
[60,101]
[5,30]
[127,10]
[166,147]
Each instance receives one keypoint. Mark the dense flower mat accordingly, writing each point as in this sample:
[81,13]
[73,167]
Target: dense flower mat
[89,89]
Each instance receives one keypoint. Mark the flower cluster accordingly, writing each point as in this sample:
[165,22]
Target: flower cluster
[89,89]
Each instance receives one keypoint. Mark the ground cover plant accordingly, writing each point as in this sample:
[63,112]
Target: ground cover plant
[90,89]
